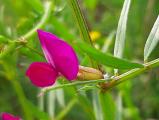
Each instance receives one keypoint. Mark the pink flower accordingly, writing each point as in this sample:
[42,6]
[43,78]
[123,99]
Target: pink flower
[61,58]
[7,116]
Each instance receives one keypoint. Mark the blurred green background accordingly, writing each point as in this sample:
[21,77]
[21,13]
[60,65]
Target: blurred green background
[140,96]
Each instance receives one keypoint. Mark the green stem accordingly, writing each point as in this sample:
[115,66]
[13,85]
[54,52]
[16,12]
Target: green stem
[34,50]
[42,21]
[83,28]
[113,81]
[80,21]
[133,73]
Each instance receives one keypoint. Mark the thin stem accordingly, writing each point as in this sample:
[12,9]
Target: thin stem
[83,28]
[112,81]
[34,50]
[45,90]
[43,20]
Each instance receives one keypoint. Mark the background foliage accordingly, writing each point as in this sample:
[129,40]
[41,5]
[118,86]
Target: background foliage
[136,99]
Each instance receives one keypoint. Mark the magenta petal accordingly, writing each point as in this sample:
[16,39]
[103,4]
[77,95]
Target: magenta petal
[42,74]
[7,116]
[60,54]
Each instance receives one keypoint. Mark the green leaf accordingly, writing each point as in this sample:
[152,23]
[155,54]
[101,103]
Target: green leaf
[108,106]
[107,59]
[152,40]
[121,30]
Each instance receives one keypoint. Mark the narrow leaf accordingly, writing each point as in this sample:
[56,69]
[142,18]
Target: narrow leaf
[152,40]
[107,59]
[121,30]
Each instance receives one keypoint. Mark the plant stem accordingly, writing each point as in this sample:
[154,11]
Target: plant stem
[43,20]
[112,81]
[34,50]
[80,20]
[133,73]
[83,28]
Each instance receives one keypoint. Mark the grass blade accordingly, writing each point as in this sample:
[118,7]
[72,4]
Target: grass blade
[152,40]
[121,30]
[107,59]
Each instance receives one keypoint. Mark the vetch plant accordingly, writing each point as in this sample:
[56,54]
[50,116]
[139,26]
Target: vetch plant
[62,61]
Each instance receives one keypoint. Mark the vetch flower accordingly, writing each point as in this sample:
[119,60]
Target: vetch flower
[61,58]
[7,116]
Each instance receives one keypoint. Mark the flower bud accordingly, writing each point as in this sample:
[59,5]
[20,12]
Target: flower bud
[88,73]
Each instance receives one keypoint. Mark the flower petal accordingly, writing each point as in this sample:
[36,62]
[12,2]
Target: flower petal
[60,54]
[7,116]
[42,74]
